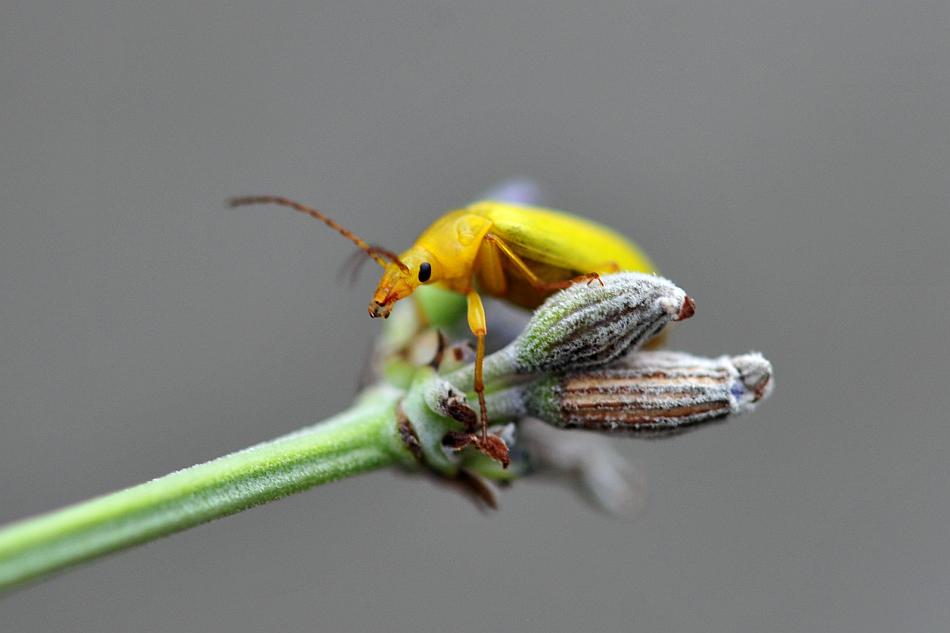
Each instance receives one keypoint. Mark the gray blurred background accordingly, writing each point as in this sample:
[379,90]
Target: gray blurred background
[787,163]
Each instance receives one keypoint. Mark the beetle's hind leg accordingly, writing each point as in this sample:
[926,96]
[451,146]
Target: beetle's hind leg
[567,283]
[610,267]
[536,282]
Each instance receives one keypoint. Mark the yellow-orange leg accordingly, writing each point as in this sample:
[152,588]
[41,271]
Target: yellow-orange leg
[479,326]
[532,278]
[491,445]
[480,384]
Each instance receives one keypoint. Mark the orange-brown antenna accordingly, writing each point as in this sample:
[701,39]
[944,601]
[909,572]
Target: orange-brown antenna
[376,253]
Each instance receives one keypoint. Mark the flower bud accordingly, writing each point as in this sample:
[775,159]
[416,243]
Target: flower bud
[590,325]
[587,325]
[652,393]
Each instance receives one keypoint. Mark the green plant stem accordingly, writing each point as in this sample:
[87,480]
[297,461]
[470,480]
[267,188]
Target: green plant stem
[357,440]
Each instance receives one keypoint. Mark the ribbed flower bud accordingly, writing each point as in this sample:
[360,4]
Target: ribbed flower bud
[589,325]
[652,393]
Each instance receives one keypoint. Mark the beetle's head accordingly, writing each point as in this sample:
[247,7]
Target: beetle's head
[400,279]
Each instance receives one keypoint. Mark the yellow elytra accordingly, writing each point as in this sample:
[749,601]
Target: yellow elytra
[520,254]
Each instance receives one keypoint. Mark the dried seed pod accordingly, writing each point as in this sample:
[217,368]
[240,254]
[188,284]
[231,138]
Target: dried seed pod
[652,393]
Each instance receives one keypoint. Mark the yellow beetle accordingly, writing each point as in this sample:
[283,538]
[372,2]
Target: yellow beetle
[518,253]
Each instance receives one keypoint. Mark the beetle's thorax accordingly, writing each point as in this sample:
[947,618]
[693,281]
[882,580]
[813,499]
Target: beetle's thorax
[453,240]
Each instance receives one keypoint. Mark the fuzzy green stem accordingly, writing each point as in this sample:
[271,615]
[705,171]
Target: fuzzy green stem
[360,439]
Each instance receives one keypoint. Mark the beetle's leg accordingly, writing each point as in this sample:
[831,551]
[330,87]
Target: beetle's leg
[491,445]
[528,274]
[479,326]
[490,269]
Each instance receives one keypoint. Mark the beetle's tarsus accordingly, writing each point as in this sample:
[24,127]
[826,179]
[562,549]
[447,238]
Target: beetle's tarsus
[592,277]
[490,445]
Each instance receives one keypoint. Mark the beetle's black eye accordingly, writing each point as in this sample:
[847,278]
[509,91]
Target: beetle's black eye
[425,271]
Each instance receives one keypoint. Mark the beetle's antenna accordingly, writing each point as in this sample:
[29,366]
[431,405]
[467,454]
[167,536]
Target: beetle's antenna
[379,255]
[354,263]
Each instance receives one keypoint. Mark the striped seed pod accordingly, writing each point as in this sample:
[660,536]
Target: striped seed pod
[651,393]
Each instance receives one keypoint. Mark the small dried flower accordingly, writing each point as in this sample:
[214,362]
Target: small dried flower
[652,393]
[445,400]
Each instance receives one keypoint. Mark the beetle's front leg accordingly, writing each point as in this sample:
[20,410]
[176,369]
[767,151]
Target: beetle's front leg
[479,326]
[491,445]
